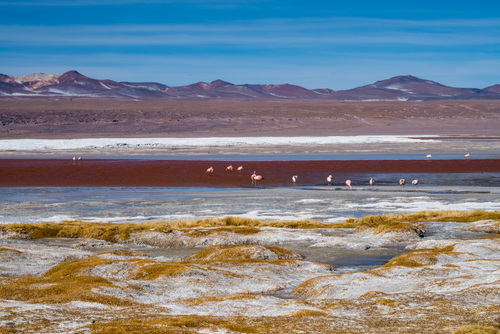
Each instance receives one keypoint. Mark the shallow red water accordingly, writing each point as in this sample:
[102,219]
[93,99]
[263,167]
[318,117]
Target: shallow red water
[189,173]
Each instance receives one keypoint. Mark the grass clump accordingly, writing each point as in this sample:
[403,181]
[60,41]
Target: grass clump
[114,232]
[123,252]
[56,290]
[79,267]
[216,299]
[309,313]
[197,233]
[240,221]
[74,229]
[403,222]
[312,287]
[373,221]
[476,329]
[8,250]
[179,324]
[307,322]
[156,270]
[386,302]
[419,258]
[243,252]
[75,267]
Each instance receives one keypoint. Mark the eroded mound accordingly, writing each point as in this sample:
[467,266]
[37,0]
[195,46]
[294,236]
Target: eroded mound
[238,252]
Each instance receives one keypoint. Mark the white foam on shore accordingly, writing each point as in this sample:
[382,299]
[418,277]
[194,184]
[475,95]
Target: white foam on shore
[128,143]
[415,205]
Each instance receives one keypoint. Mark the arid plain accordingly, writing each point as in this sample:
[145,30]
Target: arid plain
[69,117]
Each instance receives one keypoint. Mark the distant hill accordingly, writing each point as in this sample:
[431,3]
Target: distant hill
[74,84]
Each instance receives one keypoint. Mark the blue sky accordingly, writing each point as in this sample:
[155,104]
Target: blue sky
[314,44]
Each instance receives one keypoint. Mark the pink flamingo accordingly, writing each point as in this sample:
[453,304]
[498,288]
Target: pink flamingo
[372,181]
[229,168]
[467,156]
[329,179]
[414,182]
[348,183]
[255,178]
[402,182]
[210,170]
[428,156]
[239,169]
[294,179]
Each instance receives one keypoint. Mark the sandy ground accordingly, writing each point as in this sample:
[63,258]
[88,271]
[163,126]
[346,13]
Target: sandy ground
[69,118]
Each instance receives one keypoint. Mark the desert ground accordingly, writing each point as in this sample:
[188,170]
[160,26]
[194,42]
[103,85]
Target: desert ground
[70,117]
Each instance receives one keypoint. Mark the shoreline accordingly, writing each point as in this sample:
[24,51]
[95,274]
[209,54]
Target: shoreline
[252,145]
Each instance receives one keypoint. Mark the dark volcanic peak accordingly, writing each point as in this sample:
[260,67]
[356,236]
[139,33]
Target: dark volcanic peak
[283,91]
[73,83]
[493,89]
[73,77]
[220,84]
[4,77]
[410,88]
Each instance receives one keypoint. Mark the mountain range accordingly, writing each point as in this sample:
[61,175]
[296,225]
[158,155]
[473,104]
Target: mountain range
[74,84]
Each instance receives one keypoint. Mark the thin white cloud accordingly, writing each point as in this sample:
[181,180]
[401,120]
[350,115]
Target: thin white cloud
[264,33]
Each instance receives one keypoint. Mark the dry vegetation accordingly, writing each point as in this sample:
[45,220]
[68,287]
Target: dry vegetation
[419,258]
[399,221]
[99,292]
[120,232]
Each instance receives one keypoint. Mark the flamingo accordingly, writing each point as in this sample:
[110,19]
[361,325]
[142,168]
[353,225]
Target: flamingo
[74,158]
[428,156]
[210,170]
[467,156]
[402,182]
[414,182]
[372,181]
[239,169]
[229,168]
[329,179]
[256,178]
[294,179]
[348,183]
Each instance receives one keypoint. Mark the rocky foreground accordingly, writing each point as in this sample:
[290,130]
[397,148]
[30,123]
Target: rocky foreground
[242,277]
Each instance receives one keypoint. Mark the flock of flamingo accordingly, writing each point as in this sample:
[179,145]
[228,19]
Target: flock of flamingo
[256,178]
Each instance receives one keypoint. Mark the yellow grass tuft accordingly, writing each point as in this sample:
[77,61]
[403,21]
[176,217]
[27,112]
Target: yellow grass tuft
[156,270]
[74,229]
[386,302]
[56,290]
[419,258]
[75,267]
[216,299]
[312,287]
[114,232]
[123,252]
[83,266]
[418,217]
[309,313]
[240,252]
[197,233]
[476,329]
